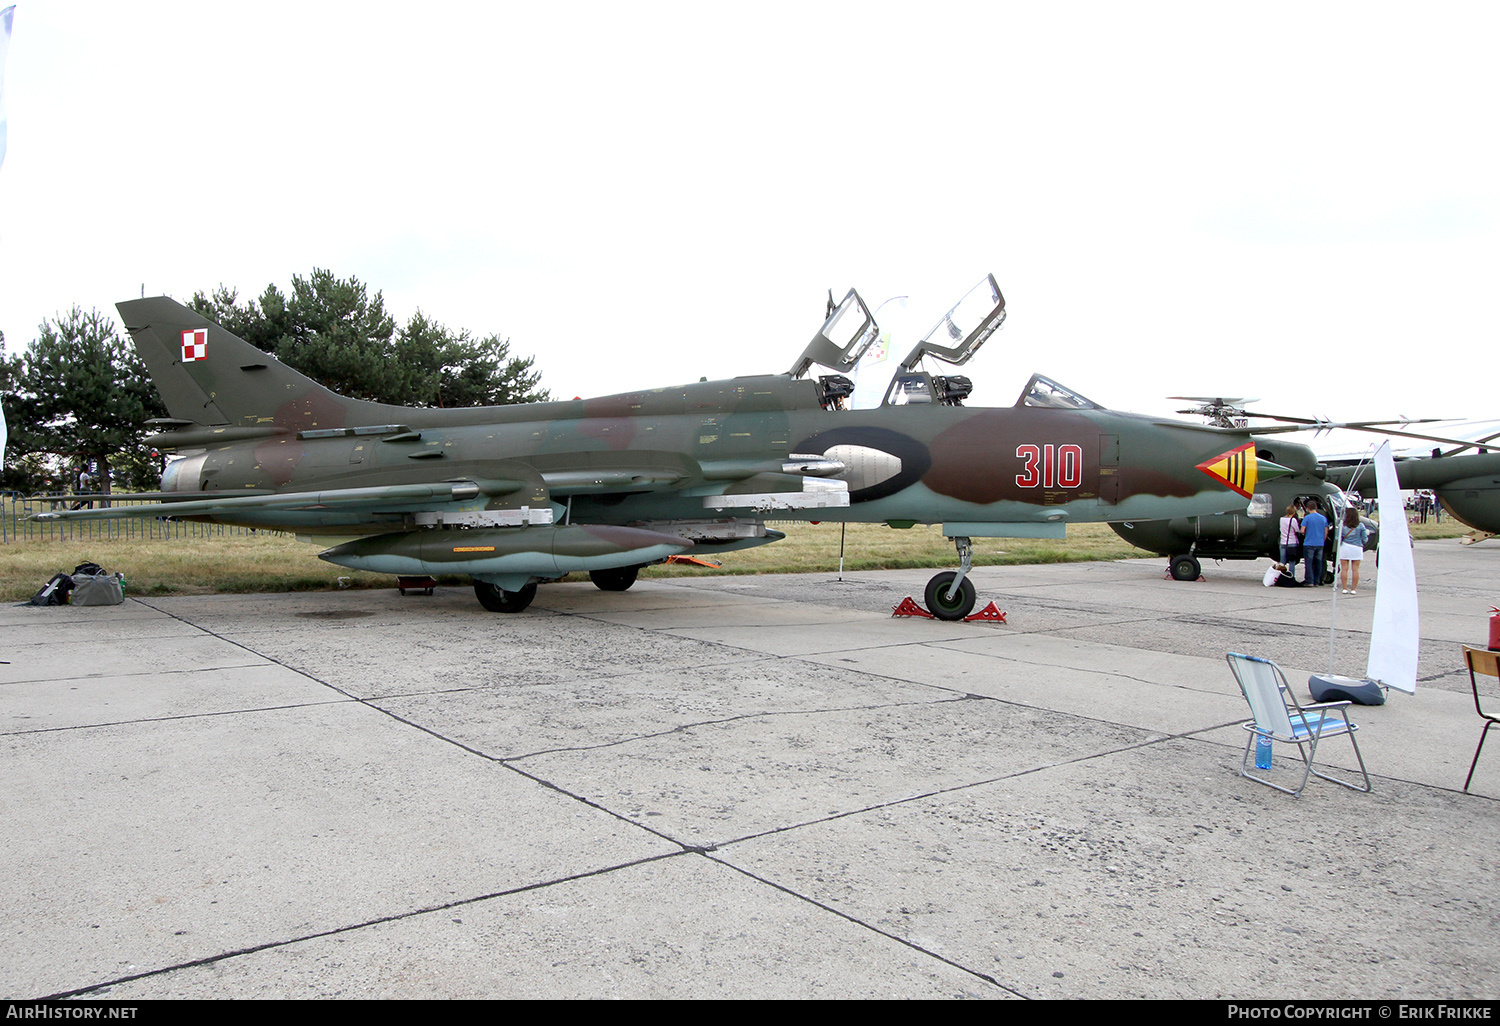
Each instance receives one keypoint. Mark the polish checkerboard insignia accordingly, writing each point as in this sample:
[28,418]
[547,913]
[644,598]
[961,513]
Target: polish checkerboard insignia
[194,344]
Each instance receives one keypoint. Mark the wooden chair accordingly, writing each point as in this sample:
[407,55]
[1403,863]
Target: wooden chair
[1487,664]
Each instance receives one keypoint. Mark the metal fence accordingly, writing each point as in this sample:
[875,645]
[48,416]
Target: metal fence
[17,525]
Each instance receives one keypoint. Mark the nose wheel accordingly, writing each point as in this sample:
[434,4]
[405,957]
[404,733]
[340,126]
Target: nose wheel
[950,595]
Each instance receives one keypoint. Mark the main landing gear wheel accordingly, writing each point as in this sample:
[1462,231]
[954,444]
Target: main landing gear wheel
[498,601]
[1186,568]
[618,578]
[949,607]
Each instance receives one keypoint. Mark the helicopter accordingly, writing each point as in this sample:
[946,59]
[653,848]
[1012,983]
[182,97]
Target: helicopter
[1254,532]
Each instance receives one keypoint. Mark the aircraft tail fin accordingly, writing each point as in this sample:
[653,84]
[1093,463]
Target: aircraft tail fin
[207,375]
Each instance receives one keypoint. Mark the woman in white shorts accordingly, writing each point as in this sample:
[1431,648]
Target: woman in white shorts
[1351,549]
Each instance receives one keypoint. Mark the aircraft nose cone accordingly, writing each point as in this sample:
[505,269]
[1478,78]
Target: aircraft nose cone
[1265,470]
[1240,469]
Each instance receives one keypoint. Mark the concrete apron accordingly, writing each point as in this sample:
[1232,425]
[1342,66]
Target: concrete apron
[737,786]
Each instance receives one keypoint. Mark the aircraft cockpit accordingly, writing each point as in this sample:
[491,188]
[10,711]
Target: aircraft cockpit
[834,390]
[850,332]
[1044,393]
[917,387]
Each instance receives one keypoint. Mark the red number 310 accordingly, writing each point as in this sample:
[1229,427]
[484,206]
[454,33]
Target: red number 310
[1051,466]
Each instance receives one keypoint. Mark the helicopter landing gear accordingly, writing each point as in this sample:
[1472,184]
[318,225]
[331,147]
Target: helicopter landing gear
[1185,568]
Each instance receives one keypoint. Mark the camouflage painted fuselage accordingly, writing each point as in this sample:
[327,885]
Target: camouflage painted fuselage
[517,492]
[657,455]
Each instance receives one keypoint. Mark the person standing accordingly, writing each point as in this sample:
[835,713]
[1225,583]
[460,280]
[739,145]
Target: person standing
[1291,538]
[1314,540]
[83,485]
[1351,549]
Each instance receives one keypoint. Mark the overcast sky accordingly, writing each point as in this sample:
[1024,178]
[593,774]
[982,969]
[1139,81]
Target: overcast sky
[1296,202]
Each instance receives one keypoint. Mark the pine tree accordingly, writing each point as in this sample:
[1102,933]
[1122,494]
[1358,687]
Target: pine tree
[335,332]
[81,399]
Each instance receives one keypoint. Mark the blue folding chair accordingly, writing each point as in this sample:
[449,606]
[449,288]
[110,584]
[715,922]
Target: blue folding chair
[1279,717]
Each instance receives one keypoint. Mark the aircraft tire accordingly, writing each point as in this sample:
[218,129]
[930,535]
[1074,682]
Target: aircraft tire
[498,601]
[1186,568]
[618,578]
[955,608]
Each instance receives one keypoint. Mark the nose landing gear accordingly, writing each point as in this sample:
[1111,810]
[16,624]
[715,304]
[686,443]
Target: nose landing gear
[950,595]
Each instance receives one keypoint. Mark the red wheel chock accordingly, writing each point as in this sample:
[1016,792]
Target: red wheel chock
[991,612]
[909,607]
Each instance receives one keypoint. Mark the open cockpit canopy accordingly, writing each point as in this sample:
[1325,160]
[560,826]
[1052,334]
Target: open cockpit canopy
[850,331]
[843,338]
[964,328]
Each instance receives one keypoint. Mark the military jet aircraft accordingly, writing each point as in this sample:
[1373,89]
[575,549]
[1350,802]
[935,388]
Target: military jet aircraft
[514,495]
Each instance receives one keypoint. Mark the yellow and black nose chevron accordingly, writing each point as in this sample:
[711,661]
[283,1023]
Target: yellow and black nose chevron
[1240,469]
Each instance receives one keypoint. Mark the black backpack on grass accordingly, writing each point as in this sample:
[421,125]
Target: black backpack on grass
[54,592]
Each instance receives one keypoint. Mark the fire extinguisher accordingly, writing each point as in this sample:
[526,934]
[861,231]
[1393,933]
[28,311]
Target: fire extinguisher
[1494,628]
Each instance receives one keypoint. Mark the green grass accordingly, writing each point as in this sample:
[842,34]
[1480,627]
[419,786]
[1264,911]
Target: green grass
[814,548]
[1449,528]
[236,564]
[263,562]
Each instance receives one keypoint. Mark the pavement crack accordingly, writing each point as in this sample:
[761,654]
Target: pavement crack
[685,727]
[938,792]
[856,921]
[95,988]
[144,673]
[168,719]
[247,648]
